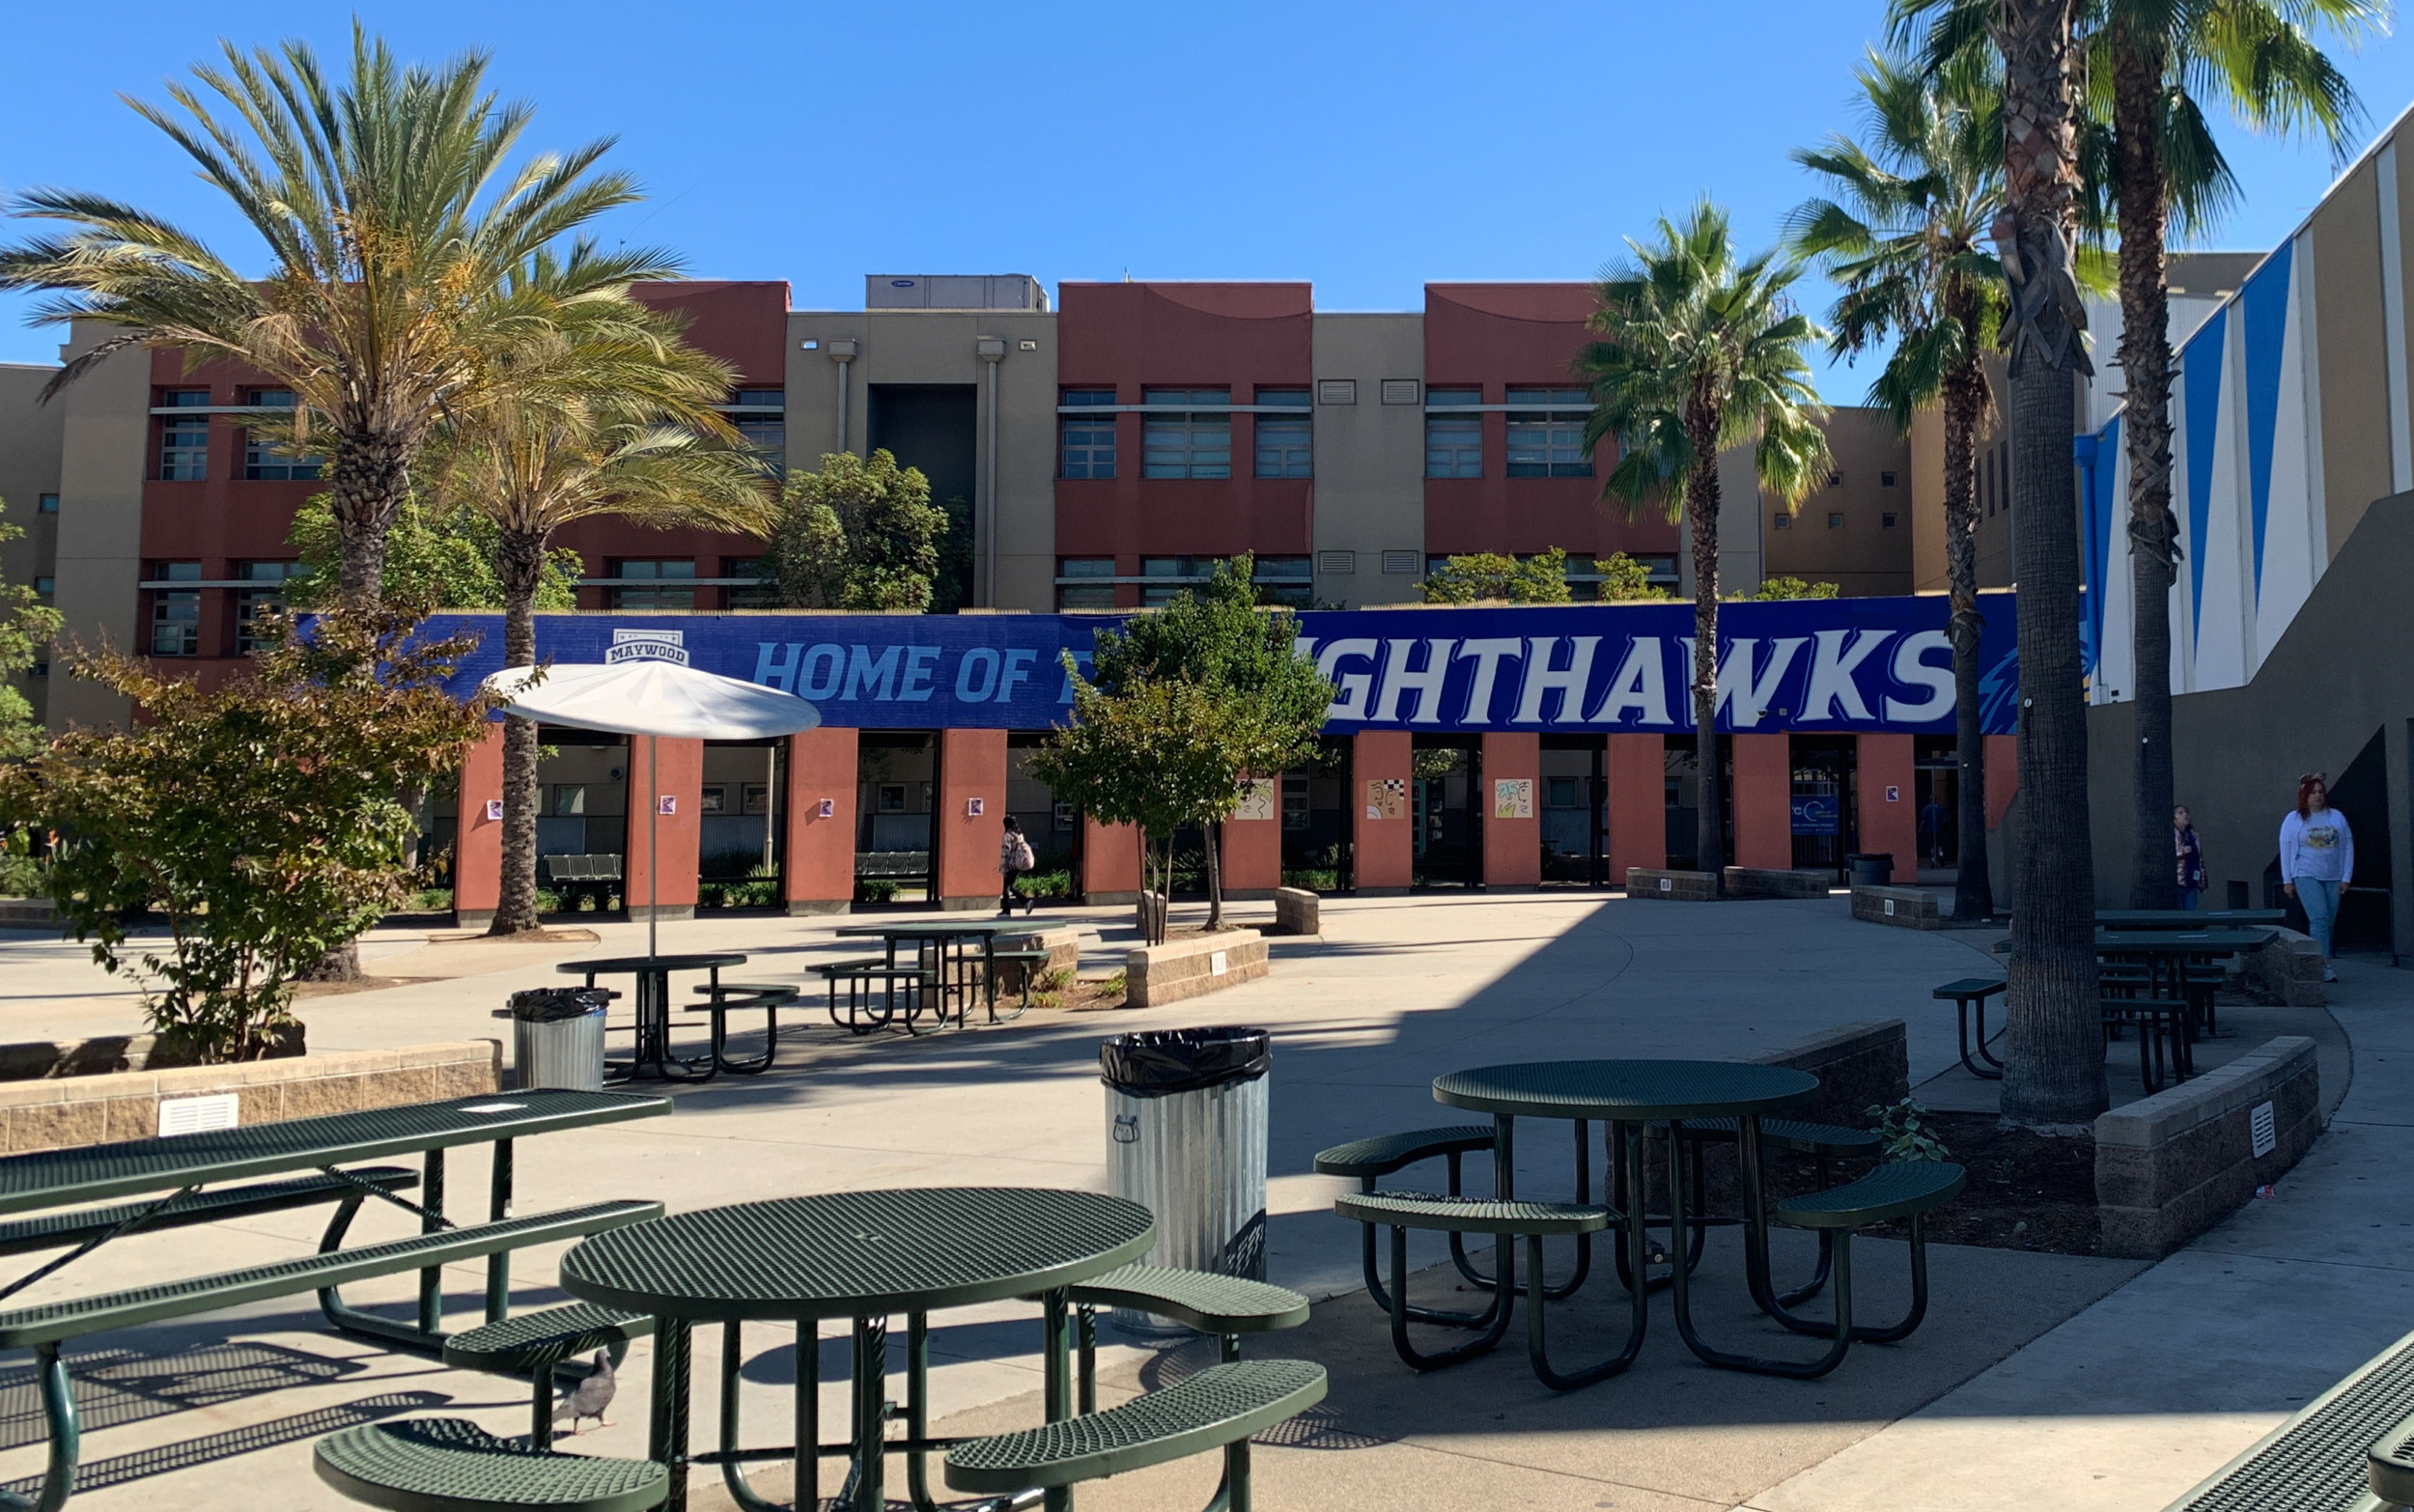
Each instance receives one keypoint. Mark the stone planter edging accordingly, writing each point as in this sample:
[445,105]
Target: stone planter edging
[2169,1167]
[1154,975]
[1672,886]
[1909,907]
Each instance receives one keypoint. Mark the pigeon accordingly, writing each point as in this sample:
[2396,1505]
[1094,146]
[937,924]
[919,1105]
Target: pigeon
[591,1394]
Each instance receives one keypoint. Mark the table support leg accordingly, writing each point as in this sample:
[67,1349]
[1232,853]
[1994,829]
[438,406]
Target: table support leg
[871,1414]
[58,1408]
[499,1207]
[1056,1381]
[1755,1264]
[1538,1352]
[733,1467]
[918,1411]
[667,1434]
[808,1415]
[431,1281]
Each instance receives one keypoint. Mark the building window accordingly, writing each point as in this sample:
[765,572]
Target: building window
[1195,443]
[1781,522]
[1453,442]
[1288,581]
[254,607]
[44,587]
[1885,521]
[1284,442]
[263,459]
[176,612]
[1885,480]
[1086,443]
[761,416]
[757,595]
[654,585]
[1093,585]
[1834,521]
[1549,442]
[1835,480]
[184,440]
[46,504]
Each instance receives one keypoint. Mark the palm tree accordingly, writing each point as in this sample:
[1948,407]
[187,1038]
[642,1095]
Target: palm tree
[392,223]
[614,415]
[2055,1078]
[1698,351]
[2151,67]
[1905,235]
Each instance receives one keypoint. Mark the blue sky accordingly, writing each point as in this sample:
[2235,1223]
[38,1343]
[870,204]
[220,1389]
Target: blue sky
[1368,148]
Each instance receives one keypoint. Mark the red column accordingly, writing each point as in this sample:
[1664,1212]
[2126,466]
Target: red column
[1889,810]
[2002,775]
[1111,862]
[478,843]
[821,846]
[677,770]
[1384,863]
[1252,846]
[971,774]
[1765,802]
[1636,805]
[1512,847]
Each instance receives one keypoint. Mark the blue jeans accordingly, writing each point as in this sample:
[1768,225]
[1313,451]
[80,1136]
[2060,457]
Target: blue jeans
[2188,897]
[2320,898]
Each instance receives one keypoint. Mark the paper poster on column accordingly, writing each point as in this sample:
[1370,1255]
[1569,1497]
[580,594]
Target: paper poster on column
[1256,800]
[1513,797]
[1386,798]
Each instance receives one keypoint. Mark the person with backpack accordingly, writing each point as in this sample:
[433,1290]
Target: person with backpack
[1014,859]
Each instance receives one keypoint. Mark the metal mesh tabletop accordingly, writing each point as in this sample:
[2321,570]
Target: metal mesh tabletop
[858,1253]
[1626,1091]
[2173,942]
[614,965]
[53,1178]
[954,931]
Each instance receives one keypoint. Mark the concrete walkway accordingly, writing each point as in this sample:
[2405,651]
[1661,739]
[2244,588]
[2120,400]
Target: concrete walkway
[2044,1369]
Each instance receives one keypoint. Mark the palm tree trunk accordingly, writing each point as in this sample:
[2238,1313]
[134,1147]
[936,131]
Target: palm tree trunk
[1965,402]
[2055,1076]
[2145,431]
[520,565]
[1701,505]
[367,481]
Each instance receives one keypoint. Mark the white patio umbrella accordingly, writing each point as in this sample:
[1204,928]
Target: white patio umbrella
[652,698]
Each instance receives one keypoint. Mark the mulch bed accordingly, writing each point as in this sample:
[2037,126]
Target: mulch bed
[2026,1191]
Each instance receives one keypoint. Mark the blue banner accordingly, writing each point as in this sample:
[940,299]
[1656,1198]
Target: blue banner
[1812,664]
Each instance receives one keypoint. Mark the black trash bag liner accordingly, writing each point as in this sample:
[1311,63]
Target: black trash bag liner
[551,1004]
[1159,1062]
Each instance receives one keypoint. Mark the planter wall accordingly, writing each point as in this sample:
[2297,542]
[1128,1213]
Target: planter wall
[2169,1167]
[1154,975]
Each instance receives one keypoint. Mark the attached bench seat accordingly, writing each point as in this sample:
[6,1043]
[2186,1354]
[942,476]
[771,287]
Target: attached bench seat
[1384,1154]
[1219,1407]
[1969,997]
[2341,1452]
[1506,1222]
[723,998]
[52,1230]
[48,1323]
[534,1343]
[1894,1190]
[1226,1306]
[451,1465]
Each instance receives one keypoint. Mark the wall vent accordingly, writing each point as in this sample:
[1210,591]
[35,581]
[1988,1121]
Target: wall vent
[1401,391]
[1336,563]
[1399,563]
[1336,391]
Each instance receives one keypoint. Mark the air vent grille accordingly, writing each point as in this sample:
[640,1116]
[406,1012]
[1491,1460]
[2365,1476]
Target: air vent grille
[1336,391]
[1336,563]
[1401,391]
[1408,562]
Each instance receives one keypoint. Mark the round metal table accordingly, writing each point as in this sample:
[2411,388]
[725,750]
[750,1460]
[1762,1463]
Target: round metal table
[651,1055]
[1627,1096]
[859,1256]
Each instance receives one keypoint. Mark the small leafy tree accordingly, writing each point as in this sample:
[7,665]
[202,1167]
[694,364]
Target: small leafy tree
[1488,574]
[1625,581]
[435,559]
[1182,709]
[260,817]
[26,626]
[1774,588]
[856,534]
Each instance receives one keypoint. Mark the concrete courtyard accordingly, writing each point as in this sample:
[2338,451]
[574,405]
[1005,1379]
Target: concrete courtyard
[2040,1380]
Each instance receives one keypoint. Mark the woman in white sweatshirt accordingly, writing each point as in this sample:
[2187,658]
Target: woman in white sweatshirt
[2317,859]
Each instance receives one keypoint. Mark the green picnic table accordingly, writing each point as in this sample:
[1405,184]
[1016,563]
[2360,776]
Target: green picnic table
[178,1180]
[862,1256]
[2188,918]
[943,946]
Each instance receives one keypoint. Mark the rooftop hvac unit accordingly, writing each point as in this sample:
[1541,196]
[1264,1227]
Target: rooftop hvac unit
[953,291]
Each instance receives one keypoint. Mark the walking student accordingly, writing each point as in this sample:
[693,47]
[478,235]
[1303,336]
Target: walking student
[2188,847]
[1014,859]
[2317,857]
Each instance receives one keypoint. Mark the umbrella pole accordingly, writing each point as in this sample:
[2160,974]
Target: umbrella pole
[653,849]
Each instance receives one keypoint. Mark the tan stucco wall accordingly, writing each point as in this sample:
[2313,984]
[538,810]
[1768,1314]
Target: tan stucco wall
[2354,354]
[1370,457]
[105,417]
[1864,555]
[941,346]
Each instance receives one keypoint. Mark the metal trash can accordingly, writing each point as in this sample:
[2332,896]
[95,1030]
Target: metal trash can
[557,1038]
[1871,869]
[1186,1137]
